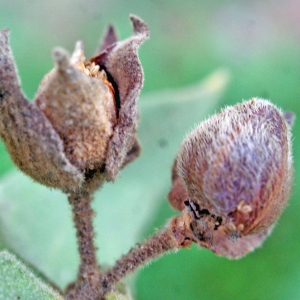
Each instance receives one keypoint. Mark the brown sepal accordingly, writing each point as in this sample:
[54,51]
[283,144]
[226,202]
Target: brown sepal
[110,38]
[121,62]
[178,193]
[29,137]
[133,153]
[223,246]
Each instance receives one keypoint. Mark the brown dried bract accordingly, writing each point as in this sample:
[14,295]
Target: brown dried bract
[178,193]
[120,60]
[222,245]
[29,136]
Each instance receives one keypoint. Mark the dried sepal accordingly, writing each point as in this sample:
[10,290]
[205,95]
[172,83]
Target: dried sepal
[81,128]
[178,193]
[110,38]
[223,246]
[29,137]
[121,62]
[210,232]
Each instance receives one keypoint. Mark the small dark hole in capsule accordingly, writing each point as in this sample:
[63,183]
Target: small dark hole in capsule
[195,208]
[204,212]
[2,94]
[218,223]
[89,173]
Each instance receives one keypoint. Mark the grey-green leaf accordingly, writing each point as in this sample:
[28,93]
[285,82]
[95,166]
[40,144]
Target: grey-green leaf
[121,292]
[17,281]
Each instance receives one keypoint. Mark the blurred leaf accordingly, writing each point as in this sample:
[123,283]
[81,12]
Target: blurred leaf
[17,282]
[2,243]
[121,293]
[36,222]
[116,296]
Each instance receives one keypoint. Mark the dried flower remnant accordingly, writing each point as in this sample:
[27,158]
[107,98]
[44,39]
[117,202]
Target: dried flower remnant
[79,131]
[83,121]
[237,170]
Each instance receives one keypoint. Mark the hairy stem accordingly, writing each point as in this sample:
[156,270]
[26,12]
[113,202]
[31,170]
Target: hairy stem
[163,241]
[88,274]
[83,215]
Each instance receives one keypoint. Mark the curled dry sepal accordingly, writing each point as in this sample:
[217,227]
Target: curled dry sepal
[232,178]
[81,128]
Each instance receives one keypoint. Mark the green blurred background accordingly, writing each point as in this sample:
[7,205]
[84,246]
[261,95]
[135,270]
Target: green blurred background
[257,41]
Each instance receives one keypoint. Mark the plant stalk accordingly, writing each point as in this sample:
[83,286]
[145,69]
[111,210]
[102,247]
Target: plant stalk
[89,271]
[163,241]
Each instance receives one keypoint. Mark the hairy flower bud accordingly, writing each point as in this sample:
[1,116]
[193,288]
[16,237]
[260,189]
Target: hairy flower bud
[237,170]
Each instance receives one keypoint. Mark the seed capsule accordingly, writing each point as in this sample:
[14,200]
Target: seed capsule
[238,166]
[80,108]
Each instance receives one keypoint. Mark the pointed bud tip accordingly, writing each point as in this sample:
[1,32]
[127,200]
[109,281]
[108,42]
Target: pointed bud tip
[139,26]
[111,34]
[110,38]
[61,58]
[110,28]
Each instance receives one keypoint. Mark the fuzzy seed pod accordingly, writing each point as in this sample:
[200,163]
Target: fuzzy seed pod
[81,107]
[237,170]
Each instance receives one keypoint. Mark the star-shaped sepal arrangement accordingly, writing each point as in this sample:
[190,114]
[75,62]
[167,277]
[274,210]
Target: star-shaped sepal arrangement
[81,128]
